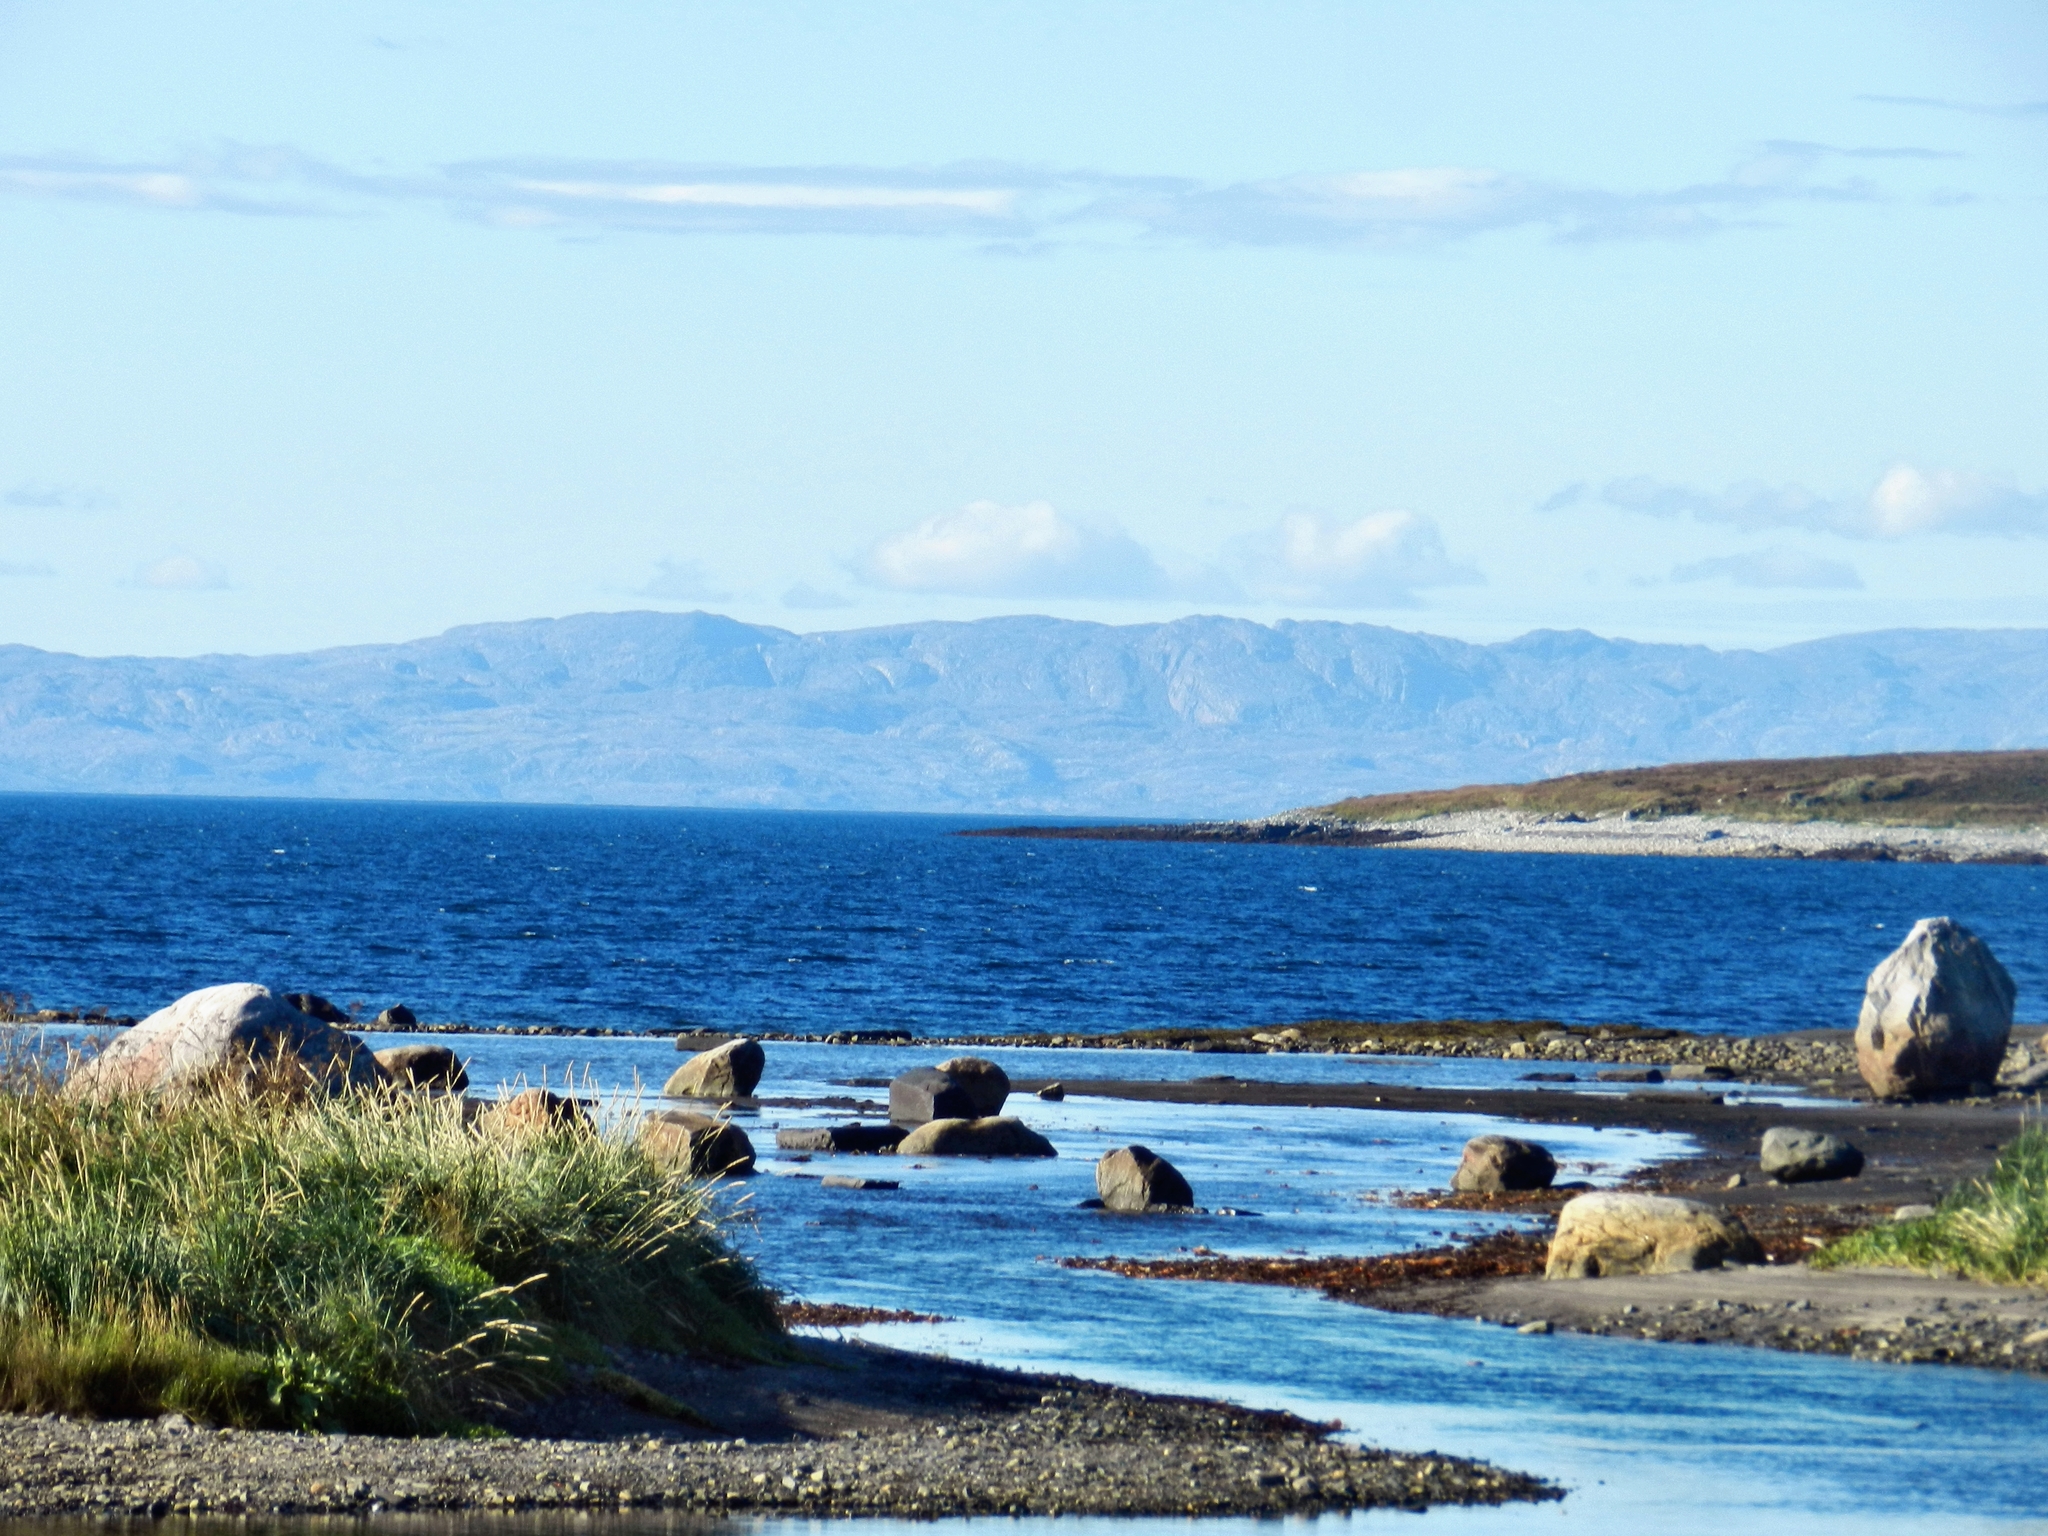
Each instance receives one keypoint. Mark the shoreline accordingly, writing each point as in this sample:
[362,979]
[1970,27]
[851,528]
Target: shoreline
[1916,1152]
[1617,834]
[850,1429]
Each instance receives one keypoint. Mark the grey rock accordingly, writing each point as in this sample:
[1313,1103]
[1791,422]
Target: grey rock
[1631,1075]
[839,1138]
[854,1181]
[997,1137]
[1937,1013]
[1052,1093]
[987,1084]
[314,1006]
[1793,1156]
[729,1071]
[1492,1165]
[1694,1072]
[424,1066]
[686,1141]
[239,1031]
[1136,1178]
[398,1016]
[926,1093]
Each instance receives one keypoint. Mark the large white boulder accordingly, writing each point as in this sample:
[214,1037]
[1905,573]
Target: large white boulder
[1614,1232]
[1936,1013]
[238,1031]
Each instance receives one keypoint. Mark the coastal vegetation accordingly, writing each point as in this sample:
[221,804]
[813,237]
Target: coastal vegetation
[1993,1229]
[1927,789]
[369,1261]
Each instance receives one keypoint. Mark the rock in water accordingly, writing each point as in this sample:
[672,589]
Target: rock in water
[1793,1156]
[1936,1013]
[1139,1179]
[1612,1233]
[839,1138]
[692,1143]
[536,1109]
[238,1030]
[1002,1136]
[987,1084]
[728,1071]
[926,1093]
[1492,1164]
[398,1016]
[314,1006]
[424,1066]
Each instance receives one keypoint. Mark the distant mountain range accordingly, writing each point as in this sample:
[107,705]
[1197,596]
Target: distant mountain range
[1198,717]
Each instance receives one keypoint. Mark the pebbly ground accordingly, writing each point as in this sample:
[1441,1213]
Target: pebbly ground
[854,1429]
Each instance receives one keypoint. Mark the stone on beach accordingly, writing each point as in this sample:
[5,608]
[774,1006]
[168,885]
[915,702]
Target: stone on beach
[314,1006]
[424,1066]
[1793,1156]
[1495,1164]
[1937,1013]
[987,1084]
[684,1140]
[999,1136]
[839,1138]
[728,1071]
[239,1030]
[536,1109]
[926,1093]
[1136,1178]
[1610,1232]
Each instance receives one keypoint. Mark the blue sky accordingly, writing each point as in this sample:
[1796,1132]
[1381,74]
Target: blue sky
[334,323]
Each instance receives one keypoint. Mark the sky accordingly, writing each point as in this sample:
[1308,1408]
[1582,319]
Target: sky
[326,324]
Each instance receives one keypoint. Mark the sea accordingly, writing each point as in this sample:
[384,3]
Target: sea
[644,920]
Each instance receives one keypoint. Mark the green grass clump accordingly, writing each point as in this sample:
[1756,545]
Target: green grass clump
[370,1261]
[1995,1229]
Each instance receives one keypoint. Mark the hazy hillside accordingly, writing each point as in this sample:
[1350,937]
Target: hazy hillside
[1200,717]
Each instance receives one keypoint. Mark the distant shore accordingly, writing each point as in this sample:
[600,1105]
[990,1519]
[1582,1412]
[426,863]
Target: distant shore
[1497,830]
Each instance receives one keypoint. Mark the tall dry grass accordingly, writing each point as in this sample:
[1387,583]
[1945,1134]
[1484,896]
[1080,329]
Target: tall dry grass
[367,1261]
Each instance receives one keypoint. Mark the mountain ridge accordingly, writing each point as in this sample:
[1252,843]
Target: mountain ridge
[1200,716]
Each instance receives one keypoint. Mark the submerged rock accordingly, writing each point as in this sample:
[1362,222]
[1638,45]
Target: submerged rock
[1495,1164]
[1138,1179]
[1613,1233]
[1002,1136]
[239,1031]
[729,1071]
[424,1066]
[1793,1156]
[987,1084]
[926,1093]
[684,1140]
[1937,1013]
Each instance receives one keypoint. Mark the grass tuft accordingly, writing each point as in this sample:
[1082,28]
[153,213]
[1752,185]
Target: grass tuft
[1995,1229]
[373,1261]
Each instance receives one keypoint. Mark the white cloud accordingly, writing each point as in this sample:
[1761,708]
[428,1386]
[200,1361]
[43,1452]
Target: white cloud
[181,573]
[989,550]
[1777,566]
[682,581]
[1375,561]
[1905,502]
[804,595]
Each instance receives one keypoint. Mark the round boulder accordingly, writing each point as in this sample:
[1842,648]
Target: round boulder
[424,1066]
[1493,1165]
[1937,1013]
[398,1016]
[926,1093]
[987,1084]
[729,1071]
[684,1141]
[1139,1179]
[536,1109]
[997,1136]
[1611,1232]
[1793,1156]
[240,1032]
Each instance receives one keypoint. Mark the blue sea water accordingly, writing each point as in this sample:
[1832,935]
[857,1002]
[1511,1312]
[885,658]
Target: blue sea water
[789,921]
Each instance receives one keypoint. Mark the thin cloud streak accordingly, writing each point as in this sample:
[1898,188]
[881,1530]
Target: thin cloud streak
[1905,502]
[1005,206]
